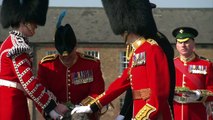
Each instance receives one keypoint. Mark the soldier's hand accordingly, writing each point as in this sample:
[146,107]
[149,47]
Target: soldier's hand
[193,95]
[67,116]
[61,109]
[81,109]
[120,117]
[54,115]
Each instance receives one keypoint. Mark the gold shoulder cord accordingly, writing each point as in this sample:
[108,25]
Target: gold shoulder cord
[129,51]
[132,47]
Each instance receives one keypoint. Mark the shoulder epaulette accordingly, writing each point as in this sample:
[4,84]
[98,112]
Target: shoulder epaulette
[152,42]
[203,58]
[89,57]
[19,46]
[48,58]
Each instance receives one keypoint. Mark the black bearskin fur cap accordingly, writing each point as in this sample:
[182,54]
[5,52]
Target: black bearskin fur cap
[65,39]
[15,11]
[133,16]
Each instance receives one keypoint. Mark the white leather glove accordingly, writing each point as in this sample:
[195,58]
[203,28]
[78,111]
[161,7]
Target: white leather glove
[54,115]
[193,95]
[120,117]
[81,109]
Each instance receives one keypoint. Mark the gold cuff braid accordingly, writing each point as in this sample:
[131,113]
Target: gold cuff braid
[144,113]
[88,101]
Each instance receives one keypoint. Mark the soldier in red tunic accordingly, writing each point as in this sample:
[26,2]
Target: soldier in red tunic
[17,81]
[126,110]
[73,77]
[148,72]
[194,78]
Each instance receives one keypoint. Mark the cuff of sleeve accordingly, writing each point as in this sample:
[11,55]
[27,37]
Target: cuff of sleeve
[50,106]
[144,113]
[94,107]
[88,101]
[54,114]
[120,117]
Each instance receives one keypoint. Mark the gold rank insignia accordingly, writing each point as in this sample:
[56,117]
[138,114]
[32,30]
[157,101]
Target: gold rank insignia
[139,59]
[48,58]
[82,77]
[197,69]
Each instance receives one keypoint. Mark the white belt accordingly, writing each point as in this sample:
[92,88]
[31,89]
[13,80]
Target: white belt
[11,84]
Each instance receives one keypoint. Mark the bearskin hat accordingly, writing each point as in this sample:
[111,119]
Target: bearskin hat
[65,40]
[15,11]
[133,16]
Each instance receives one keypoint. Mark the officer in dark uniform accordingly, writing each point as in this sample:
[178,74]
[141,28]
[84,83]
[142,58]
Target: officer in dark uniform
[194,79]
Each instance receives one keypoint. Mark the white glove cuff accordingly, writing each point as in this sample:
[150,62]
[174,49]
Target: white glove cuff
[54,114]
[120,117]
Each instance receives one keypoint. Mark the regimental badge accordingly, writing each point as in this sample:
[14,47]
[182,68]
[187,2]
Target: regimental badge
[181,31]
[139,59]
[82,77]
[198,69]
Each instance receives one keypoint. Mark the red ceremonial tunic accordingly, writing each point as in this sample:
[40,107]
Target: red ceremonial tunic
[195,74]
[148,76]
[81,81]
[16,67]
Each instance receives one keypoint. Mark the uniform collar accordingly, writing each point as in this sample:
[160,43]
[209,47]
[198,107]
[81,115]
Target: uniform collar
[188,59]
[19,34]
[69,63]
[138,43]
[133,46]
